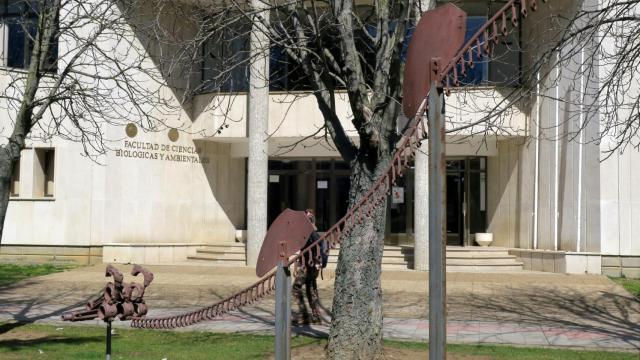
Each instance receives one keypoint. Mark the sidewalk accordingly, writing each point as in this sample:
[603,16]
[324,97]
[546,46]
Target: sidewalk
[528,309]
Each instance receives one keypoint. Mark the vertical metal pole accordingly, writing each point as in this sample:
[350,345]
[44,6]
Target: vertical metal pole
[437,227]
[108,340]
[283,312]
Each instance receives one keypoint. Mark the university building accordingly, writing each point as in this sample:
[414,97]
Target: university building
[180,195]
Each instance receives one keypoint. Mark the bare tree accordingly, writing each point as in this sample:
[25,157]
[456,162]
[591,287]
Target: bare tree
[597,52]
[84,70]
[328,47]
[591,50]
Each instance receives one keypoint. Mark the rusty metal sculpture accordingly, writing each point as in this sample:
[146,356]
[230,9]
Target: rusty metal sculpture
[286,236]
[118,300]
[288,233]
[443,72]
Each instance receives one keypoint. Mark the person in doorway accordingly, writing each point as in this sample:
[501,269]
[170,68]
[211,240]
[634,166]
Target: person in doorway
[306,277]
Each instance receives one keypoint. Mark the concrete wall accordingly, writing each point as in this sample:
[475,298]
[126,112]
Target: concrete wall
[509,189]
[297,115]
[628,266]
[81,255]
[168,201]
[561,137]
[129,199]
[559,261]
[129,194]
[620,202]
[620,173]
[67,218]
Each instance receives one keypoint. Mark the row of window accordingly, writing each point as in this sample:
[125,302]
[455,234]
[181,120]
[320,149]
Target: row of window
[225,56]
[225,62]
[41,172]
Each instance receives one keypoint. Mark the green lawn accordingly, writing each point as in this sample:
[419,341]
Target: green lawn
[88,342]
[11,273]
[632,285]
[29,341]
[500,352]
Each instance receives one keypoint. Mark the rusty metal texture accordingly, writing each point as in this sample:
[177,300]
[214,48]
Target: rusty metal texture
[376,195]
[438,34]
[484,41]
[118,299]
[291,226]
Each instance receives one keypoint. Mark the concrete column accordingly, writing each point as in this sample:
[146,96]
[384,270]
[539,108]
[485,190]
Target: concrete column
[258,110]
[421,209]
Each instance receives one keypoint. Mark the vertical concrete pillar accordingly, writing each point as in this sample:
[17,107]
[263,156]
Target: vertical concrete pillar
[421,209]
[421,184]
[258,120]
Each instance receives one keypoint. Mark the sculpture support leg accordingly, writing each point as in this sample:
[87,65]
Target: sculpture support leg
[437,228]
[108,340]
[283,313]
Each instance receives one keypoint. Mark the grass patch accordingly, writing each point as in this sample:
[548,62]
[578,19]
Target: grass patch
[12,273]
[499,352]
[632,285]
[33,341]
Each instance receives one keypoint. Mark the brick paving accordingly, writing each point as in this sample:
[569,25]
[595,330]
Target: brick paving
[524,308]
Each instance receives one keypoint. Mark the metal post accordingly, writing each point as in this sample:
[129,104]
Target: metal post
[283,312]
[108,340]
[437,227]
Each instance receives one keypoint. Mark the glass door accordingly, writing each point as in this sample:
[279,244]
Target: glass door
[456,204]
[466,199]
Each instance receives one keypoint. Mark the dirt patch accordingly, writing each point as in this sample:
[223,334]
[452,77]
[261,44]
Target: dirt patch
[12,332]
[317,352]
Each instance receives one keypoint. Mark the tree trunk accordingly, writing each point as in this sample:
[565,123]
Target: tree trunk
[356,326]
[7,162]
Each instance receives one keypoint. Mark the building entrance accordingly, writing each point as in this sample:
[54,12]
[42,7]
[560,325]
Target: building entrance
[320,184]
[323,185]
[466,199]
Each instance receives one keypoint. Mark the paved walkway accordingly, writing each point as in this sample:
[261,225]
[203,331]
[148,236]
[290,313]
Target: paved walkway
[525,308]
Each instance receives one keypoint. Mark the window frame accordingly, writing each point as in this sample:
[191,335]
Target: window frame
[25,18]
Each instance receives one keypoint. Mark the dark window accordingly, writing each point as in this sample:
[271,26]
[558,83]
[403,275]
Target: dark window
[503,68]
[477,75]
[44,173]
[15,179]
[225,64]
[286,74]
[20,18]
[49,172]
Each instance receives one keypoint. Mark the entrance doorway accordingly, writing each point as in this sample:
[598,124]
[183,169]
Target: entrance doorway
[466,199]
[319,184]
[323,185]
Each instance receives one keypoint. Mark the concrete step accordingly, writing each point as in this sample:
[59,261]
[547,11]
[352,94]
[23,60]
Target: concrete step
[459,259]
[229,247]
[393,257]
[215,259]
[233,257]
[221,251]
[476,248]
[399,266]
[232,254]
[481,259]
[486,268]
[479,255]
[195,260]
[483,262]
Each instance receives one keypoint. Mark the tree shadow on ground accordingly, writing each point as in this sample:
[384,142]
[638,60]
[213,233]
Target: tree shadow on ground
[598,312]
[26,311]
[17,344]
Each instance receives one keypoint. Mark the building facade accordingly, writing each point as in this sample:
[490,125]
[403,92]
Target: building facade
[553,200]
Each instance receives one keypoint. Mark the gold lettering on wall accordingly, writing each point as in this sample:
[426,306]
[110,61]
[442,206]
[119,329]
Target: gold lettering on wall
[161,152]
